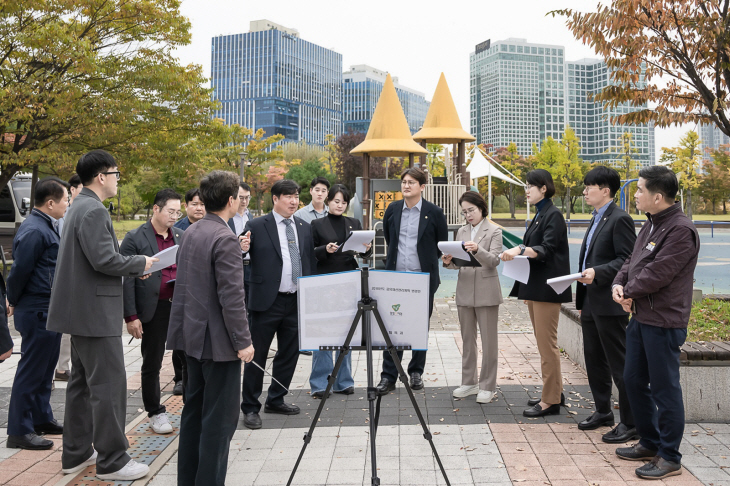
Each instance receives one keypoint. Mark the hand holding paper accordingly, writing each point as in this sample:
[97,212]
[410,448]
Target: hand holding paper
[455,249]
[518,268]
[166,258]
[559,284]
[356,240]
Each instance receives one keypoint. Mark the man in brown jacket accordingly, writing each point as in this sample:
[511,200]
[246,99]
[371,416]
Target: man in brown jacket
[655,284]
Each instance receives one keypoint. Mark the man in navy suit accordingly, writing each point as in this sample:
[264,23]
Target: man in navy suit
[412,228]
[281,250]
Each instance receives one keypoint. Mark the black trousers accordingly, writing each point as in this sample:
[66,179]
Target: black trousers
[281,320]
[178,365]
[604,349]
[154,335]
[208,421]
[652,380]
[418,358]
[30,400]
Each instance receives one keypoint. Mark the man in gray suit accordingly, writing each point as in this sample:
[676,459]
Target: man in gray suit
[208,322]
[86,302]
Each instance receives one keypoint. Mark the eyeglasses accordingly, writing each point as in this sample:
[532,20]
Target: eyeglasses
[244,198]
[529,186]
[174,214]
[408,183]
[468,211]
[116,172]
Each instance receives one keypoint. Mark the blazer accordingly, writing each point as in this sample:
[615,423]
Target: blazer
[611,244]
[479,286]
[322,234]
[432,228]
[141,296]
[548,236]
[86,298]
[208,315]
[266,262]
[183,224]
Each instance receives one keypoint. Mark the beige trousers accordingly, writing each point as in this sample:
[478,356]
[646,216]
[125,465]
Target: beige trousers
[64,358]
[486,318]
[544,317]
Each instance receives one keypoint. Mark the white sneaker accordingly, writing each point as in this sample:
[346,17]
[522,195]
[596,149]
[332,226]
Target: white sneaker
[485,396]
[89,462]
[160,424]
[133,470]
[465,391]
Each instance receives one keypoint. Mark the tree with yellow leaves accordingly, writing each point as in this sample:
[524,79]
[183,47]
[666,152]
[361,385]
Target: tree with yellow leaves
[685,160]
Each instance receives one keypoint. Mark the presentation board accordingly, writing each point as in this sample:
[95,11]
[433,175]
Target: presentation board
[327,304]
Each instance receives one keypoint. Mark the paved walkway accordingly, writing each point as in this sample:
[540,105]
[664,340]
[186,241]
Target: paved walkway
[478,444]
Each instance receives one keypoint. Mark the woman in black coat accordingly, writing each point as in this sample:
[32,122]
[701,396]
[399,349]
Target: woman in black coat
[328,234]
[546,245]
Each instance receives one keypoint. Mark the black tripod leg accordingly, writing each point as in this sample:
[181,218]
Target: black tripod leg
[330,384]
[404,378]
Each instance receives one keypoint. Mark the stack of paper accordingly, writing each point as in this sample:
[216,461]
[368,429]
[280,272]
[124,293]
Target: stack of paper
[559,284]
[518,269]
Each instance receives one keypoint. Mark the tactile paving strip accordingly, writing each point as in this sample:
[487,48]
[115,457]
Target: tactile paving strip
[144,445]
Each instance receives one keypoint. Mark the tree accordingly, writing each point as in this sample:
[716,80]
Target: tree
[685,161]
[88,74]
[715,185]
[683,46]
[349,167]
[721,159]
[303,173]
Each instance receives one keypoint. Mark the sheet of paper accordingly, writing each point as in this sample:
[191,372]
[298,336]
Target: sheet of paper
[167,258]
[559,284]
[518,269]
[455,249]
[357,239]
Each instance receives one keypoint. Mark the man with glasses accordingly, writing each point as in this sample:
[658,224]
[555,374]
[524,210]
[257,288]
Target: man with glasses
[147,303]
[237,223]
[412,228]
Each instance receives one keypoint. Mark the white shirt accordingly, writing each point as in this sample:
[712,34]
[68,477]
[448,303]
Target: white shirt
[286,284]
[475,229]
[239,222]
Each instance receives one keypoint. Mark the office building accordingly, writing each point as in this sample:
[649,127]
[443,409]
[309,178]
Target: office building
[601,141]
[711,139]
[270,78]
[361,87]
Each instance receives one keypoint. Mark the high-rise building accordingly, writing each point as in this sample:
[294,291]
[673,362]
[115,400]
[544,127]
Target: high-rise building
[270,78]
[517,93]
[711,138]
[601,141]
[361,87]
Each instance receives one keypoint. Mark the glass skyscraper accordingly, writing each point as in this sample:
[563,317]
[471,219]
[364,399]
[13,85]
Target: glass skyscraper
[517,93]
[600,139]
[361,87]
[711,138]
[270,78]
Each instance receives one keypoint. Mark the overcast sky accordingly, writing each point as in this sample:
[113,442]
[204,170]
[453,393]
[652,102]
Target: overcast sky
[413,40]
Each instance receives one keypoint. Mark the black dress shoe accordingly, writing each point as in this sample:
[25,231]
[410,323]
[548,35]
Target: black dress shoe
[620,434]
[636,453]
[347,391]
[659,468]
[49,428]
[306,353]
[534,401]
[319,394]
[178,388]
[537,411]
[385,386]
[29,442]
[597,420]
[416,381]
[252,420]
[282,408]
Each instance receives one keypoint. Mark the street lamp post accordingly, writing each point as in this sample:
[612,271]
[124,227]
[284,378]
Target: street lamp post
[242,163]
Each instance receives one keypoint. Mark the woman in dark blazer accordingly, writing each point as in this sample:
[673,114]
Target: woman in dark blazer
[546,246]
[328,234]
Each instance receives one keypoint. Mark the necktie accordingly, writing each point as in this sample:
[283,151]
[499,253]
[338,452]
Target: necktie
[296,271]
[55,227]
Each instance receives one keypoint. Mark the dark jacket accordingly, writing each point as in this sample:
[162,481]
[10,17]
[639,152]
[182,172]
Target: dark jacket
[611,244]
[659,275]
[6,341]
[432,228]
[548,236]
[183,224]
[35,251]
[266,262]
[208,308]
[322,234]
[141,296]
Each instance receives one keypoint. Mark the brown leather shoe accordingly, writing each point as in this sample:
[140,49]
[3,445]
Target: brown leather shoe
[659,468]
[62,375]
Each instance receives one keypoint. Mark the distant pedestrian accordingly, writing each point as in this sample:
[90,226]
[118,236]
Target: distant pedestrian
[655,284]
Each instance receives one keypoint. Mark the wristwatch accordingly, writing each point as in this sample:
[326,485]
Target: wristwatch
[522,249]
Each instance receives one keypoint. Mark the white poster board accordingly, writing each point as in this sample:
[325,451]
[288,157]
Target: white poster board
[327,304]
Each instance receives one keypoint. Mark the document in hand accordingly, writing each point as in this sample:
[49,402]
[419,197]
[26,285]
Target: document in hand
[356,240]
[167,259]
[518,269]
[461,257]
[559,284]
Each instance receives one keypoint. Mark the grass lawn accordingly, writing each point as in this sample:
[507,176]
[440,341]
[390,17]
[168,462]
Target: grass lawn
[121,228]
[709,321]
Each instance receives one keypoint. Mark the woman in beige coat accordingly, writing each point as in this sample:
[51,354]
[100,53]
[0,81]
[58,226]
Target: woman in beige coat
[478,295]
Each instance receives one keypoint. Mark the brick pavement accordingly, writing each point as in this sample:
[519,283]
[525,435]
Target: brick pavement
[478,444]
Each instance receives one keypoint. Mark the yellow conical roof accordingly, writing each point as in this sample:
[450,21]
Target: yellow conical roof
[442,123]
[388,135]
